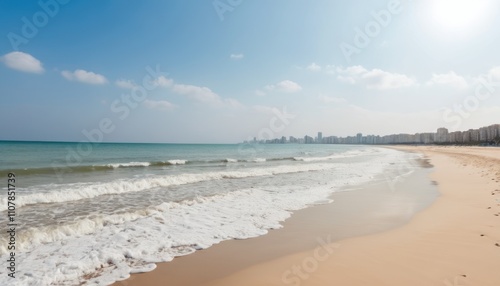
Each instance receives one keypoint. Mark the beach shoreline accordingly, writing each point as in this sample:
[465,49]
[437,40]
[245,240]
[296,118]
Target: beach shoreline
[372,208]
[456,241]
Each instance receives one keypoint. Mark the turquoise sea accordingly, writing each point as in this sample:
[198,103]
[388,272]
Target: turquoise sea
[116,209]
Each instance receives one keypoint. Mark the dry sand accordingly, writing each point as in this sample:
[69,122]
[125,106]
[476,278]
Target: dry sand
[456,241]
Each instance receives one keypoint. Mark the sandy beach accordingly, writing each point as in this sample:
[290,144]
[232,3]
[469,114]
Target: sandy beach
[250,143]
[375,236]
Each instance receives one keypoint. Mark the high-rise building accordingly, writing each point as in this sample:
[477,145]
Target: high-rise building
[441,135]
[488,135]
[308,139]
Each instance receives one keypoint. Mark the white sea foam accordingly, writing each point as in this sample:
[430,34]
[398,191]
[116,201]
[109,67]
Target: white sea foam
[131,164]
[35,236]
[171,230]
[229,160]
[129,243]
[258,160]
[177,162]
[71,192]
[347,154]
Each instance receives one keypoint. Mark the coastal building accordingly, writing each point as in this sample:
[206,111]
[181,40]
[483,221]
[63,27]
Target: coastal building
[441,135]
[359,138]
[488,135]
[474,136]
[308,140]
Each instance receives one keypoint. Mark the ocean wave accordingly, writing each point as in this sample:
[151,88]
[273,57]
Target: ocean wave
[94,168]
[115,246]
[176,162]
[347,154]
[257,160]
[280,159]
[173,162]
[57,169]
[129,243]
[131,164]
[54,193]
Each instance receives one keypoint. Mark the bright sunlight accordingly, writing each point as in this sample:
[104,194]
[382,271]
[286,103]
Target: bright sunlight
[459,14]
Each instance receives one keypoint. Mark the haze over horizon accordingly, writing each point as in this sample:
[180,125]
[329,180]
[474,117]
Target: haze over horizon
[227,71]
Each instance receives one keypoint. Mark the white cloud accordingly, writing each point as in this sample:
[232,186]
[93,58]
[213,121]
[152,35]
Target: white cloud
[450,79]
[259,92]
[22,62]
[375,78]
[197,93]
[330,69]
[159,104]
[494,74]
[286,86]
[329,99]
[327,69]
[314,67]
[84,76]
[352,70]
[203,94]
[126,84]
[350,74]
[346,79]
[233,103]
[237,56]
[490,80]
[382,80]
[162,81]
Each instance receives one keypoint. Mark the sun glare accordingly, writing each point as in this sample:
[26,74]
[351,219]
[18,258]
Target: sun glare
[459,14]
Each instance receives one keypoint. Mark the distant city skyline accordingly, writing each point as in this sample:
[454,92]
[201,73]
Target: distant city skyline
[486,135]
[227,71]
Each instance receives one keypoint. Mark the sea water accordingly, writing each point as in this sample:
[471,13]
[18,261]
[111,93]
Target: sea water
[95,213]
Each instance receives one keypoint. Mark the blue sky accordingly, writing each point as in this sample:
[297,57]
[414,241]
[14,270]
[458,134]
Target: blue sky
[229,70]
